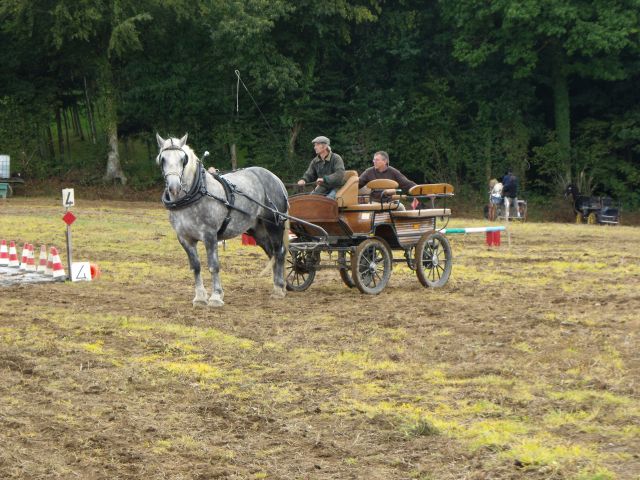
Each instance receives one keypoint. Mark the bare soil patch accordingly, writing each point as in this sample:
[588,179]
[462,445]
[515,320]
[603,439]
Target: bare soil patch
[524,366]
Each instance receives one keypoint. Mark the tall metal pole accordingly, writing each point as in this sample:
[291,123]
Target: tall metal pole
[69,249]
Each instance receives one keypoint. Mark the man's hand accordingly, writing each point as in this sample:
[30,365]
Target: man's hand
[390,191]
[301,183]
[320,181]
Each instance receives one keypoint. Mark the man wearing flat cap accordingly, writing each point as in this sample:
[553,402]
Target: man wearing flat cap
[326,169]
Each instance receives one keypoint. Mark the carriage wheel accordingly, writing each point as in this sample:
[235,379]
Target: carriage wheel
[578,218]
[301,270]
[433,260]
[592,219]
[344,260]
[371,266]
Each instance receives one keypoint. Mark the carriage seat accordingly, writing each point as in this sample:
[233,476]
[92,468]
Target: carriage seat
[347,194]
[377,184]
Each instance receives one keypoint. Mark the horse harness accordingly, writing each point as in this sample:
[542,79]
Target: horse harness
[199,189]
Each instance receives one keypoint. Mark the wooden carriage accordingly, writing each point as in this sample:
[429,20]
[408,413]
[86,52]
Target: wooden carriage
[363,233]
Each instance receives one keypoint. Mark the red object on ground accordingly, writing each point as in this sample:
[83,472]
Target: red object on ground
[493,238]
[95,271]
[248,239]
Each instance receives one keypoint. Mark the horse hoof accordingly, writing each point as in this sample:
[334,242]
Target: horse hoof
[198,302]
[215,302]
[279,293]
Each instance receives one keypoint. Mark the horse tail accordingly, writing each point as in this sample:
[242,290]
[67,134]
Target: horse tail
[268,267]
[285,243]
[285,234]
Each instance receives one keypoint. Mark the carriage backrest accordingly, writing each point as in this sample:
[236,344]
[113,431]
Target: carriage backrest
[348,193]
[432,189]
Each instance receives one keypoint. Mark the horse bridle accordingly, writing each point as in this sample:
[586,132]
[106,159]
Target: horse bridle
[185,160]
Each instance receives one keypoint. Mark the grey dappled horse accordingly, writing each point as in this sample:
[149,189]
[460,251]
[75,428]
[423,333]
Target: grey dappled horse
[207,208]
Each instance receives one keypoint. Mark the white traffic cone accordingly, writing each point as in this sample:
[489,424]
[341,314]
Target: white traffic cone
[42,261]
[58,270]
[13,255]
[49,270]
[4,254]
[24,256]
[31,261]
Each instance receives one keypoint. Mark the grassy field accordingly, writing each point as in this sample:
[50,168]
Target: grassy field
[525,365]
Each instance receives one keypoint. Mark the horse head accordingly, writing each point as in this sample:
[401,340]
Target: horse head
[175,161]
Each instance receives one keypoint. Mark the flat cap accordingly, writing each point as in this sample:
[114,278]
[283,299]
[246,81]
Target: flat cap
[321,139]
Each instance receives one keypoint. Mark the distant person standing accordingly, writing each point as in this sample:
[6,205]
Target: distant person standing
[326,169]
[510,193]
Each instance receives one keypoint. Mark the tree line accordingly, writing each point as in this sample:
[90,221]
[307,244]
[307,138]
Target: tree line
[454,90]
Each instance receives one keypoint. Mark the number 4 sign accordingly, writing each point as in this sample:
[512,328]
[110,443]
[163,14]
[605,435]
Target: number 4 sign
[80,272]
[67,198]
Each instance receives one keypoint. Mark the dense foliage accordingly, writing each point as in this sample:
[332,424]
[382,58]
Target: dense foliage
[456,90]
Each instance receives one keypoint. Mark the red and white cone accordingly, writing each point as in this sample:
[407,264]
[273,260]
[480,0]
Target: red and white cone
[24,256]
[58,270]
[31,260]
[42,261]
[4,254]
[13,255]
[49,270]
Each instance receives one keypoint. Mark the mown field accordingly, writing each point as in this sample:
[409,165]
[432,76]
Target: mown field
[525,365]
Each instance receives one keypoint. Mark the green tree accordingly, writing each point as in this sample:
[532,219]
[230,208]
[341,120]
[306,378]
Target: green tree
[551,42]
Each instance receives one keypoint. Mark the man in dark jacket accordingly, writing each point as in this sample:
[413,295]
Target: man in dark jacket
[510,193]
[326,169]
[381,169]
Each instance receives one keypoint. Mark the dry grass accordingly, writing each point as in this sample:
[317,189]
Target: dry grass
[524,366]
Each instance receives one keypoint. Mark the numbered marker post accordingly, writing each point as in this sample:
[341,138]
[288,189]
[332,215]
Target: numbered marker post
[68,200]
[80,272]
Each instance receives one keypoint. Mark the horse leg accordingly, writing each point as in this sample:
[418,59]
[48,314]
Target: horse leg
[270,237]
[217,294]
[194,261]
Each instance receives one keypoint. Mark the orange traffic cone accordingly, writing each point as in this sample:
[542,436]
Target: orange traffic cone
[13,255]
[58,270]
[31,261]
[4,254]
[42,261]
[95,271]
[24,256]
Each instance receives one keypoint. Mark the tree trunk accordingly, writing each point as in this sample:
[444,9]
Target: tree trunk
[114,171]
[66,131]
[78,123]
[92,124]
[234,157]
[59,132]
[561,105]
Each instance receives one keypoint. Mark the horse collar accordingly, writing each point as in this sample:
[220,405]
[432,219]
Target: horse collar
[196,192]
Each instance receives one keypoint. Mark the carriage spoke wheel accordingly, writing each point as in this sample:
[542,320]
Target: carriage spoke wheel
[371,266]
[592,219]
[344,260]
[301,270]
[433,260]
